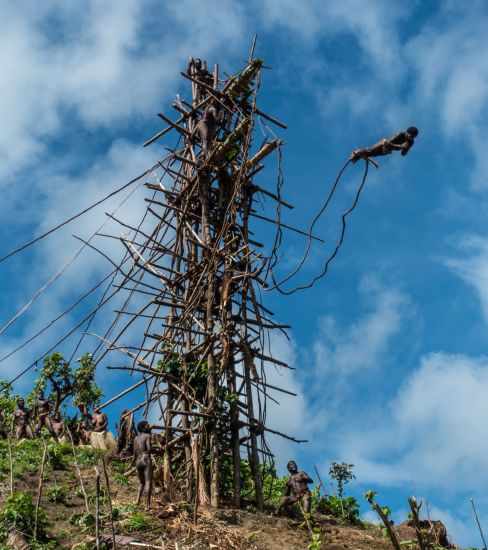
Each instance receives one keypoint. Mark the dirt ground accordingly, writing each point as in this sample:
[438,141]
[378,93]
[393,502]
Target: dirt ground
[171,526]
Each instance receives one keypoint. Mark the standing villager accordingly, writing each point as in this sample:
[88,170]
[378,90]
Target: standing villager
[126,433]
[198,70]
[142,460]
[402,141]
[296,489]
[100,437]
[21,422]
[43,408]
[84,425]
[99,421]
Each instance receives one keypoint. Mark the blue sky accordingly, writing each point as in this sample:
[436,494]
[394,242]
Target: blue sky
[390,348]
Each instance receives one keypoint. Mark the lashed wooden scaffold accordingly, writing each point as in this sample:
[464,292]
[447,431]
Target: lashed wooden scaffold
[203,352]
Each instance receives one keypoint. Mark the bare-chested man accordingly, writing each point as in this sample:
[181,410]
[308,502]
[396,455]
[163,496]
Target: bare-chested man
[206,129]
[99,421]
[84,425]
[43,407]
[22,421]
[402,141]
[58,426]
[296,489]
[143,461]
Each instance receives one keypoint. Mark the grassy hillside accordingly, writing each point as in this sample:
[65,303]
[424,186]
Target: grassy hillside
[64,521]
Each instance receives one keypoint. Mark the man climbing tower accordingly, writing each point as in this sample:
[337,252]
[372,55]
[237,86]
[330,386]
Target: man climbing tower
[403,141]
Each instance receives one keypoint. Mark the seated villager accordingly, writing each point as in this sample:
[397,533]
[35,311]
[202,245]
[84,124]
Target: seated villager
[296,490]
[402,141]
[142,460]
[21,421]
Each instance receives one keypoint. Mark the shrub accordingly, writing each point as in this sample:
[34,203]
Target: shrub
[342,474]
[346,508]
[138,521]
[57,494]
[18,513]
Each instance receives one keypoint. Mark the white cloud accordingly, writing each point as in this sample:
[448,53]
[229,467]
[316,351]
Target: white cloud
[100,72]
[451,76]
[459,530]
[341,351]
[432,432]
[473,267]
[374,29]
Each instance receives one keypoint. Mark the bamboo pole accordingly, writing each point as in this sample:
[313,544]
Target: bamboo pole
[9,443]
[415,508]
[97,508]
[109,494]
[39,490]
[78,472]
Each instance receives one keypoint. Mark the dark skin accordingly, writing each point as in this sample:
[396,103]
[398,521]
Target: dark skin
[143,462]
[43,420]
[99,421]
[84,425]
[21,421]
[58,426]
[402,141]
[206,129]
[296,489]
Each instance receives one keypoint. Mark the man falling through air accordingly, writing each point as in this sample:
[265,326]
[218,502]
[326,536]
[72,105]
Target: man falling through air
[403,141]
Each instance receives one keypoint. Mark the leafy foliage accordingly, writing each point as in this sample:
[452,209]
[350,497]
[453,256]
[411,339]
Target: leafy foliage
[18,513]
[138,521]
[26,458]
[7,405]
[58,494]
[85,389]
[342,474]
[346,508]
[63,382]
[316,540]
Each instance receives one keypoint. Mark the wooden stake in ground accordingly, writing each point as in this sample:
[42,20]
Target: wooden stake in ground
[478,523]
[78,471]
[9,443]
[97,508]
[384,518]
[107,484]
[39,489]
[319,478]
[415,517]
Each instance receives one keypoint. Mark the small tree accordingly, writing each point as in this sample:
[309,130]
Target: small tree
[64,382]
[7,405]
[85,389]
[342,474]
